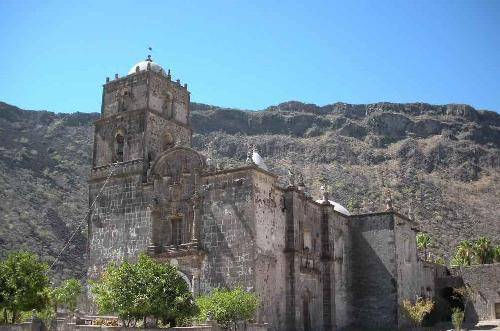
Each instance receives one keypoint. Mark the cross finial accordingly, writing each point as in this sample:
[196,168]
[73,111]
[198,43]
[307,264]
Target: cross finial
[150,49]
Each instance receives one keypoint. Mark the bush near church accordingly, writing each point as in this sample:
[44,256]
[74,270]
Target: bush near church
[227,307]
[146,288]
[417,310]
[66,295]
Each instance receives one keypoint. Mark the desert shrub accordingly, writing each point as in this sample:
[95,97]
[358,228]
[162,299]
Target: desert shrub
[457,318]
[416,311]
[227,307]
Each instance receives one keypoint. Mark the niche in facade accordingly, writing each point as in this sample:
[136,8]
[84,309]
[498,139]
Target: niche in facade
[119,146]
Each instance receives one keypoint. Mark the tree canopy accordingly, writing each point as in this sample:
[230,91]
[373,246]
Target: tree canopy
[423,243]
[23,283]
[143,289]
[480,251]
[228,306]
[66,294]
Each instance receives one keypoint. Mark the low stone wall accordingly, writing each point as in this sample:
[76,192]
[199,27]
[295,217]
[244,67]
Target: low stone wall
[63,325]
[241,327]
[485,283]
[73,327]
[28,326]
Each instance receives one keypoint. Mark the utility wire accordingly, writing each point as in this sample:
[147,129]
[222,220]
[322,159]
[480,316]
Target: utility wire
[112,170]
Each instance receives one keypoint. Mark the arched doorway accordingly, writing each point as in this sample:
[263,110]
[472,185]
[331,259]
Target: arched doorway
[453,300]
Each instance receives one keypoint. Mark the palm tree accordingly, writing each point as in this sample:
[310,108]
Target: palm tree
[483,251]
[464,253]
[423,243]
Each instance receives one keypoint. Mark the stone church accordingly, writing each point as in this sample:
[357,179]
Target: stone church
[314,265]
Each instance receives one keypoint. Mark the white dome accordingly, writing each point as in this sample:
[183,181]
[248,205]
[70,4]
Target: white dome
[336,206]
[258,160]
[143,65]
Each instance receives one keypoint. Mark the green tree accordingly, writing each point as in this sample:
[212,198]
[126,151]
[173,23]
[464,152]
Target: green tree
[24,284]
[66,294]
[483,251]
[423,243]
[464,254]
[135,291]
[228,306]
[3,299]
[416,311]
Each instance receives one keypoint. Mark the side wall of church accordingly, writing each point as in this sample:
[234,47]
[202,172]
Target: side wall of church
[373,271]
[119,226]
[339,231]
[308,269]
[270,262]
[227,231]
[410,275]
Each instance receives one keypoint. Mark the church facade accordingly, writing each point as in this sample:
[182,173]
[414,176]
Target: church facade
[313,265]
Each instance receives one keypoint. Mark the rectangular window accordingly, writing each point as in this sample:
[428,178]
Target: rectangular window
[176,231]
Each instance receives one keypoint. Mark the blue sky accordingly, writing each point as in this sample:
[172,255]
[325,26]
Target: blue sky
[55,55]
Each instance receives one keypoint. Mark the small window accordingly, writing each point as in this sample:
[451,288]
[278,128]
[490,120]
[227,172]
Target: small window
[176,231]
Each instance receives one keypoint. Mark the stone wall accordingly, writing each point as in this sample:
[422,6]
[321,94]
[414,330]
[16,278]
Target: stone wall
[340,233]
[373,273]
[27,326]
[162,134]
[484,281]
[168,98]
[120,223]
[131,126]
[127,93]
[269,249]
[305,270]
[227,233]
[38,326]
[409,268]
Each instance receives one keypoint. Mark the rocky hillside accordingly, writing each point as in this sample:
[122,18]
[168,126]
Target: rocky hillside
[441,163]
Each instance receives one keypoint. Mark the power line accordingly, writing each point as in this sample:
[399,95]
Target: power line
[112,170]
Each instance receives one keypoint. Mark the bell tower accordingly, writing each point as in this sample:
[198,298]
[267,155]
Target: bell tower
[142,114]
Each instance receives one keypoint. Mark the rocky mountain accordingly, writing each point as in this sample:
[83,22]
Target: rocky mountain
[441,165]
